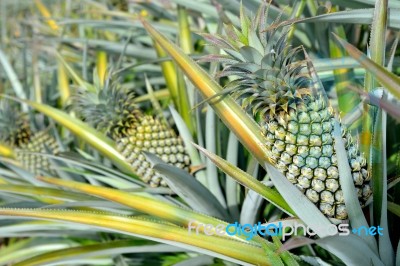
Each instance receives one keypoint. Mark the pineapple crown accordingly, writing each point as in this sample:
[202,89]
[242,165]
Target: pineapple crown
[266,79]
[14,125]
[108,108]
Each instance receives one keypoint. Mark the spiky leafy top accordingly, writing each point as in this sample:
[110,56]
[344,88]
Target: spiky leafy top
[109,109]
[14,125]
[268,80]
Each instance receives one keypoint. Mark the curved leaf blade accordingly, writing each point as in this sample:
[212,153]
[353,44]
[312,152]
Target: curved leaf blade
[248,181]
[189,189]
[353,207]
[112,248]
[224,248]
[146,204]
[389,80]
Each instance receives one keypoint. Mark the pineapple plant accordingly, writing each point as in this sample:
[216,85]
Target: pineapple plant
[267,79]
[16,132]
[111,110]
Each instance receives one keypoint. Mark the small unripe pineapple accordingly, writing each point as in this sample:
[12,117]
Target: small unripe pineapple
[267,80]
[15,131]
[111,109]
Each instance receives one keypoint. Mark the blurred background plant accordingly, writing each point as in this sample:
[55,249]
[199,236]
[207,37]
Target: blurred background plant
[90,206]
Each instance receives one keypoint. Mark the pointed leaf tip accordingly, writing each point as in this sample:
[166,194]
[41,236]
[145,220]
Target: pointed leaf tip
[389,80]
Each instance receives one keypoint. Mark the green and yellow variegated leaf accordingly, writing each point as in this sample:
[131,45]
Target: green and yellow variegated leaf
[238,252]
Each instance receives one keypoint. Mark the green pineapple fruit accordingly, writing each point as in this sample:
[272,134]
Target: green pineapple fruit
[266,79]
[112,110]
[15,131]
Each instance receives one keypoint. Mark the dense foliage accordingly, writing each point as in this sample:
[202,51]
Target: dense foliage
[125,126]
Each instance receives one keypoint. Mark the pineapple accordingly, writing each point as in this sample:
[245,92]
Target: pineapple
[111,110]
[15,132]
[267,80]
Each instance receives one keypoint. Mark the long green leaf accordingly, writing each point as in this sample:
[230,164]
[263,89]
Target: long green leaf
[224,248]
[33,250]
[185,42]
[213,183]
[16,84]
[353,207]
[362,3]
[44,228]
[45,191]
[189,189]
[112,248]
[232,187]
[188,140]
[357,16]
[398,254]
[351,249]
[389,80]
[344,78]
[146,204]
[247,180]
[379,181]
[394,208]
[377,55]
[7,252]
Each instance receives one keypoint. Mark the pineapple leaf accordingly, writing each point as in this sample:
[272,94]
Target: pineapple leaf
[379,179]
[232,187]
[74,75]
[188,140]
[371,98]
[185,41]
[376,52]
[31,248]
[244,25]
[248,181]
[12,76]
[211,169]
[390,81]
[169,72]
[398,254]
[146,204]
[45,191]
[361,253]
[394,208]
[356,16]
[72,254]
[6,151]
[63,83]
[201,7]
[340,245]
[47,15]
[344,78]
[353,207]
[162,232]
[101,66]
[189,189]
